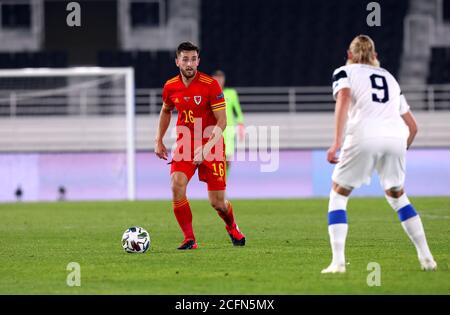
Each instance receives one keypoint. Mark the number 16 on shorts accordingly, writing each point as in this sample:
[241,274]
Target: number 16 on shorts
[219,169]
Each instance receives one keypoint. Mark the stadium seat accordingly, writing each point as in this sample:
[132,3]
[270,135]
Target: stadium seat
[439,69]
[267,52]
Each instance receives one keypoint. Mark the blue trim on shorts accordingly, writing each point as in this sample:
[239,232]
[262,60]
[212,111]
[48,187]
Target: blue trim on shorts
[406,212]
[337,217]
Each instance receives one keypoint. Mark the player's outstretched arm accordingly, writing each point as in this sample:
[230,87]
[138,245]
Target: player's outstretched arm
[221,117]
[201,152]
[163,125]
[343,99]
[410,121]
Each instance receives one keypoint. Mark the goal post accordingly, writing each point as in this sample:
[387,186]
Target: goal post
[70,110]
[131,134]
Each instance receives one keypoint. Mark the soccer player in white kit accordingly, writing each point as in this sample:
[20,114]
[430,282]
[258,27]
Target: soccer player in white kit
[379,129]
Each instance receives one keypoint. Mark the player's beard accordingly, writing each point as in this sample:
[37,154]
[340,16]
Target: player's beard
[190,74]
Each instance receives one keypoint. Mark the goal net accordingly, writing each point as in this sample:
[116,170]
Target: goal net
[67,134]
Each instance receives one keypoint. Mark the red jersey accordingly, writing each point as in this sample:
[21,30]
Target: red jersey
[195,105]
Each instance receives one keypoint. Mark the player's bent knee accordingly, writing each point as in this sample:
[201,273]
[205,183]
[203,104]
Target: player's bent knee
[395,192]
[178,186]
[342,189]
[218,205]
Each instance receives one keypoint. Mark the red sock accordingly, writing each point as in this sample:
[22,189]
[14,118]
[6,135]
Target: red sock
[228,218]
[183,214]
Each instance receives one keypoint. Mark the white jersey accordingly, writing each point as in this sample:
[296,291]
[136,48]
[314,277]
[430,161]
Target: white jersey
[376,102]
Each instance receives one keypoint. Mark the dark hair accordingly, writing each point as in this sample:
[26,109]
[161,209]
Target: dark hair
[187,46]
[218,73]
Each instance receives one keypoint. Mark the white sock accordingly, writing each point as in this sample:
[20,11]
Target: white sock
[416,233]
[338,234]
[412,224]
[337,226]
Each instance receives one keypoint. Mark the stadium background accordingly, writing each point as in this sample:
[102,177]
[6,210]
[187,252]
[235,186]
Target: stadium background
[279,56]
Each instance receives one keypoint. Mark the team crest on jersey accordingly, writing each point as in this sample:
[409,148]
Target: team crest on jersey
[197,100]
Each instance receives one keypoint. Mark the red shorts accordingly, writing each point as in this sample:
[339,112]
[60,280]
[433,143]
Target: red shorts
[211,172]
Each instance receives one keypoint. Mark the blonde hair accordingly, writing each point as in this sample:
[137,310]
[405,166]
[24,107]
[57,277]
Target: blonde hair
[362,48]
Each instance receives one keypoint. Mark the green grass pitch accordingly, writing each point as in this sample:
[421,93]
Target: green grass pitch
[287,246]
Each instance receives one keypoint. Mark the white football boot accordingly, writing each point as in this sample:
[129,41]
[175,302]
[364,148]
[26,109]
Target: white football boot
[428,264]
[334,268]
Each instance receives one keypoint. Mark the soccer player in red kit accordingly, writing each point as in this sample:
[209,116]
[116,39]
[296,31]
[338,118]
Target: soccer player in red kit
[200,103]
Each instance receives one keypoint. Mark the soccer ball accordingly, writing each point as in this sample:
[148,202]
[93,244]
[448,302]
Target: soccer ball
[135,240]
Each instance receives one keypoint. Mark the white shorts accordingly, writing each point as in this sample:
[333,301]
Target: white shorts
[358,160]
